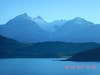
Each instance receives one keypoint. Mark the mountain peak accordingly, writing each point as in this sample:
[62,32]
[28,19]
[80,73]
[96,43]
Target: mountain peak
[39,20]
[39,17]
[21,17]
[24,16]
[79,20]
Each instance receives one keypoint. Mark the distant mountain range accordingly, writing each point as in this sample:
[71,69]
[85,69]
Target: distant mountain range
[28,30]
[23,29]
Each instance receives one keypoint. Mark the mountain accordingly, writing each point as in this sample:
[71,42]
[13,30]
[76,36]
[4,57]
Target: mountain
[13,49]
[55,25]
[78,30]
[39,20]
[54,49]
[10,48]
[42,23]
[89,55]
[8,45]
[80,21]
[23,29]
[48,26]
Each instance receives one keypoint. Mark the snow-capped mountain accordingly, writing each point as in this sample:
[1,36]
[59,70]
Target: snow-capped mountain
[39,20]
[25,29]
[55,25]
[48,26]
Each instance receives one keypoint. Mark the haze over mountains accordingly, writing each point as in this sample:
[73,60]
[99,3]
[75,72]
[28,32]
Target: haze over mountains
[26,29]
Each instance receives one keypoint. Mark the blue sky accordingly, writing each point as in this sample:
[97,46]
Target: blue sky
[51,9]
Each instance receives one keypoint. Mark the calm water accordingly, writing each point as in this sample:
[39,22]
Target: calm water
[46,67]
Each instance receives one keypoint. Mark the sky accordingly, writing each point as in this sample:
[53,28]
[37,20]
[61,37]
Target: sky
[51,9]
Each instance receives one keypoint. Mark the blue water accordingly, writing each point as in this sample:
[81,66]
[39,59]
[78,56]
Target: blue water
[45,67]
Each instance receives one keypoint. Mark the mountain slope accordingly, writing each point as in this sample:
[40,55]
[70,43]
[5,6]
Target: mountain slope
[23,29]
[78,30]
[89,55]
[8,45]
[53,49]
[12,49]
[39,20]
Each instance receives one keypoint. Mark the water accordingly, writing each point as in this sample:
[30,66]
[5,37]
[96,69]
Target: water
[45,67]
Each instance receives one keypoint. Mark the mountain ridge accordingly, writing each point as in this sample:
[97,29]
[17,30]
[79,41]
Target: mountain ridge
[23,28]
[10,48]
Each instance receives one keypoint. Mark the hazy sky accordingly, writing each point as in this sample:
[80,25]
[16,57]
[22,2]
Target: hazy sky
[51,9]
